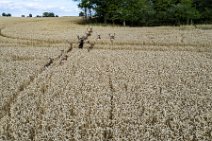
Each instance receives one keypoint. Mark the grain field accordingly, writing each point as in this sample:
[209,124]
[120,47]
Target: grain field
[149,84]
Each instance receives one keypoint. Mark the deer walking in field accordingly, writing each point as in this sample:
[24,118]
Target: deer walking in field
[87,34]
[98,37]
[81,41]
[49,63]
[63,59]
[112,37]
[90,30]
[70,47]
[92,44]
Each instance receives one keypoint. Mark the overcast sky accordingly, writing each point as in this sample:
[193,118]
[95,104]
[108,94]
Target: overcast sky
[37,7]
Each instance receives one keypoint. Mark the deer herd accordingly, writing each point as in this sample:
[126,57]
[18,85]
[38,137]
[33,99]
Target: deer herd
[83,39]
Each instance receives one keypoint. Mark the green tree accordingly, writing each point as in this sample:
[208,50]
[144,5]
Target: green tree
[48,14]
[205,9]
[102,9]
[148,12]
[86,6]
[4,14]
[184,12]
[81,14]
[162,7]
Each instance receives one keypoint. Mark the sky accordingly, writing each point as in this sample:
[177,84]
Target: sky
[37,7]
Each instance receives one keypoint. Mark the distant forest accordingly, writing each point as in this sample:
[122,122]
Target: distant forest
[147,12]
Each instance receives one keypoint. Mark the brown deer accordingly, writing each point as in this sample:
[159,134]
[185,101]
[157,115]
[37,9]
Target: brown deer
[98,37]
[64,58]
[70,47]
[112,37]
[92,44]
[81,41]
[49,63]
[90,30]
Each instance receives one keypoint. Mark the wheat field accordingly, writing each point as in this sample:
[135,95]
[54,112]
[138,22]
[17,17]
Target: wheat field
[150,84]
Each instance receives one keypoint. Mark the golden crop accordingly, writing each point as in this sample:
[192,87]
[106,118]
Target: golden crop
[152,83]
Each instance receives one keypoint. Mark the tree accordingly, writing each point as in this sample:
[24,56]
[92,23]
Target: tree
[3,14]
[147,12]
[51,14]
[205,9]
[125,11]
[6,15]
[184,12]
[101,8]
[81,14]
[162,7]
[45,14]
[86,6]
[48,14]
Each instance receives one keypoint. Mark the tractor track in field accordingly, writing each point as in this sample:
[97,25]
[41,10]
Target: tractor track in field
[23,40]
[135,46]
[61,59]
[5,110]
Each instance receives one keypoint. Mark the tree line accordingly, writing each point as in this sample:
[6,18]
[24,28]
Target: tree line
[45,14]
[147,12]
